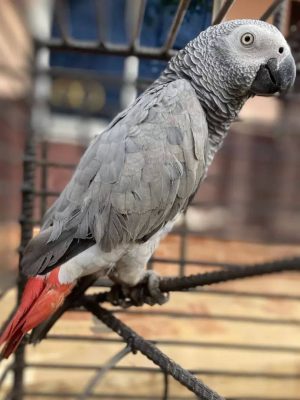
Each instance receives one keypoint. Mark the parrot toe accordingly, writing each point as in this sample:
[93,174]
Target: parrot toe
[147,291]
[156,295]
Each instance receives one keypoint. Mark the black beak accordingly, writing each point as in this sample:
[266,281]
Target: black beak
[274,77]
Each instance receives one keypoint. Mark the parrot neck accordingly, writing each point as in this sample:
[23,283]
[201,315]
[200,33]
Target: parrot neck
[221,106]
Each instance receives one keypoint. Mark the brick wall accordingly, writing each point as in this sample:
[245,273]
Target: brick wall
[12,135]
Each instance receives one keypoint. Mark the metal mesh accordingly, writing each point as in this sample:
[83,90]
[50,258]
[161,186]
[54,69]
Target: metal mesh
[41,168]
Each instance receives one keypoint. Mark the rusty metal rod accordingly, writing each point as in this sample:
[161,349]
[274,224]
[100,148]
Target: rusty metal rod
[271,10]
[223,11]
[178,18]
[138,343]
[209,278]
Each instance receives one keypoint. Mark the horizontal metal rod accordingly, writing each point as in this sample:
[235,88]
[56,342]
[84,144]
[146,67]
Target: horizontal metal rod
[263,237]
[188,282]
[118,396]
[109,396]
[138,343]
[49,164]
[246,271]
[235,293]
[220,317]
[142,370]
[219,292]
[184,343]
[190,316]
[108,49]
[107,283]
[196,263]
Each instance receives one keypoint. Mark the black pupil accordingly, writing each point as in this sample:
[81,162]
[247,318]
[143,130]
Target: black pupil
[247,38]
[280,50]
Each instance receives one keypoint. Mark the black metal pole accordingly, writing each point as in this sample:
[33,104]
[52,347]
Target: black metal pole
[26,233]
[26,218]
[138,343]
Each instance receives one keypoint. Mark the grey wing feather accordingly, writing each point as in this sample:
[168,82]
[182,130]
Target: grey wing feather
[134,177]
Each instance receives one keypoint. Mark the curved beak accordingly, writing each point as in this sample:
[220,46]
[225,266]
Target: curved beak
[274,77]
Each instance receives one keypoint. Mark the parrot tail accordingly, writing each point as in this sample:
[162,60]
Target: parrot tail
[42,296]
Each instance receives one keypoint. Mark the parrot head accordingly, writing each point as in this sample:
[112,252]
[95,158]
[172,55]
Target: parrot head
[253,56]
[228,63]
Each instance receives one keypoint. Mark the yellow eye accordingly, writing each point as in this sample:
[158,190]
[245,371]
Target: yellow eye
[247,39]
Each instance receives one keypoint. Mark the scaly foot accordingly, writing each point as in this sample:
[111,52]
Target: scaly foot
[146,292]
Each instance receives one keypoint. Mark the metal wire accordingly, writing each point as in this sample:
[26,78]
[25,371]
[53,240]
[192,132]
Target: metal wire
[229,272]
[223,11]
[272,9]
[161,363]
[115,396]
[184,343]
[101,21]
[26,234]
[102,371]
[136,31]
[103,47]
[166,386]
[152,352]
[187,282]
[178,18]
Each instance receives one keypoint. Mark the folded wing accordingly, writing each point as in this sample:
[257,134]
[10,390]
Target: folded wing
[134,177]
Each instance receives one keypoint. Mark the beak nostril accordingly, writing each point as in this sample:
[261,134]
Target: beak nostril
[281,49]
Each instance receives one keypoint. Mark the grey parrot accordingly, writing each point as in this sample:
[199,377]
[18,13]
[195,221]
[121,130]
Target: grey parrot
[139,174]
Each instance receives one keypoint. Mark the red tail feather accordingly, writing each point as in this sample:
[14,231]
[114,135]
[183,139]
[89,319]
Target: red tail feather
[12,344]
[32,290]
[42,296]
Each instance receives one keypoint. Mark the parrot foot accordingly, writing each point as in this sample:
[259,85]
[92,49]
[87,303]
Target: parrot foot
[146,292]
[156,295]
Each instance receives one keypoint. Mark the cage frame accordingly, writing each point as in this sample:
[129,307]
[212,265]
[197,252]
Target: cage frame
[30,163]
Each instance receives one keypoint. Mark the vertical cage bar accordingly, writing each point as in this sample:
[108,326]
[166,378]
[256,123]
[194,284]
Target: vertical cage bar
[26,234]
[176,24]
[217,4]
[165,395]
[26,222]
[183,244]
[223,11]
[44,178]
[137,27]
[101,16]
[279,15]
[61,14]
[271,10]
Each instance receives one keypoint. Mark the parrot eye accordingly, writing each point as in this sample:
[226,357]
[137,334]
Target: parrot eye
[247,39]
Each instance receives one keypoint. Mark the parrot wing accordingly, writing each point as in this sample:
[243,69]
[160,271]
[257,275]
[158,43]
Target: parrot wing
[134,177]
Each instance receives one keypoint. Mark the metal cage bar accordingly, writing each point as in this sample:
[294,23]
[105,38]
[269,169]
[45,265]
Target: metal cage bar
[29,193]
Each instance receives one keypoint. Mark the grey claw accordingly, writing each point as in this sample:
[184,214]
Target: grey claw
[125,296]
[157,297]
